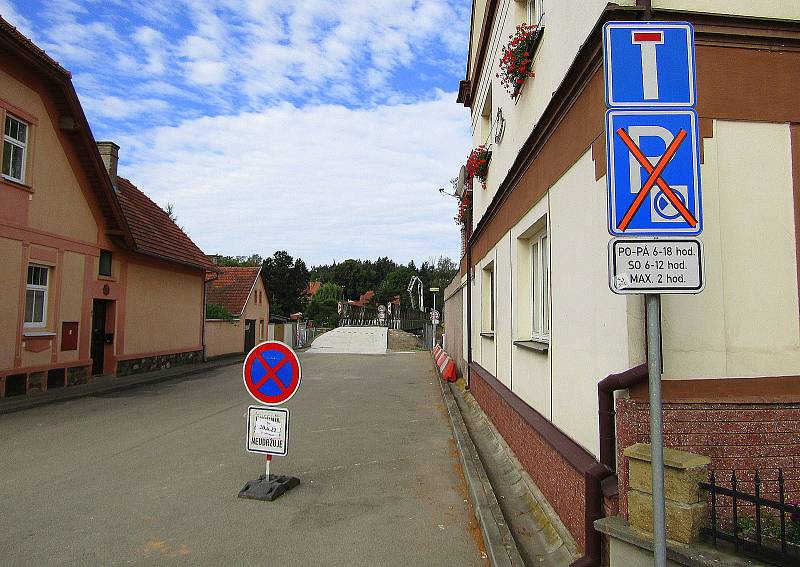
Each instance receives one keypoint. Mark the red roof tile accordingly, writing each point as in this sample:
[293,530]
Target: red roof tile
[154,233]
[232,288]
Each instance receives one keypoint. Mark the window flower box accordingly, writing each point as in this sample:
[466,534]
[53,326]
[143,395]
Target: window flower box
[516,64]
[478,164]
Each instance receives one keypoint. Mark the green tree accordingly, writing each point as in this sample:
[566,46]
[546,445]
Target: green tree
[395,283]
[323,307]
[252,260]
[286,280]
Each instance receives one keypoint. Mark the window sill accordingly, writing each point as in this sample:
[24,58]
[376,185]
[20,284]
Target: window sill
[38,334]
[539,346]
[106,278]
[488,335]
[13,184]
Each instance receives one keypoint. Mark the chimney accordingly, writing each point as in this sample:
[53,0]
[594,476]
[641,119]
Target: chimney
[109,151]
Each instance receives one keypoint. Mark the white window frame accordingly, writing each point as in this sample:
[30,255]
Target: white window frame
[38,287]
[14,142]
[535,11]
[540,287]
[489,306]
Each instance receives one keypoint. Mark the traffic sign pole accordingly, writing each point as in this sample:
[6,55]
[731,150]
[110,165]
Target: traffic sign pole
[651,90]
[656,427]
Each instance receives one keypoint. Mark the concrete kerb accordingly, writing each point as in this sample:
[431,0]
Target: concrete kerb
[107,384]
[500,546]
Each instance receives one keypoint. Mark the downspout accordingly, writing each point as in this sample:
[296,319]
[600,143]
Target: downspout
[605,407]
[605,470]
[593,510]
[648,8]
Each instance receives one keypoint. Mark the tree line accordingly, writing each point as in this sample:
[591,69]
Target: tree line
[287,279]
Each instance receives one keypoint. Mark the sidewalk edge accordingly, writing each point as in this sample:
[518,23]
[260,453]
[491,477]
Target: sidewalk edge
[113,385]
[500,546]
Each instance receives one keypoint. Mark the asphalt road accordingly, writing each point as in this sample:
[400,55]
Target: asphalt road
[151,475]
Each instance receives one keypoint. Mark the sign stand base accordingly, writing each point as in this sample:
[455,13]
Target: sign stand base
[268,488]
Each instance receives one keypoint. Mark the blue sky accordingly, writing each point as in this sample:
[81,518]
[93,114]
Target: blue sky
[323,128]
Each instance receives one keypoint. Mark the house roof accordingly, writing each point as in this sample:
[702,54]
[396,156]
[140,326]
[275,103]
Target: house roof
[232,287]
[313,288]
[154,233]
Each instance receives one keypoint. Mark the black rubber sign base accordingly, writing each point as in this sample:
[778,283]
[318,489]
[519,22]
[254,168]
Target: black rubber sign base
[268,489]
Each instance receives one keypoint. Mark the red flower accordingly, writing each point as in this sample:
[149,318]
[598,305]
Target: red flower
[514,64]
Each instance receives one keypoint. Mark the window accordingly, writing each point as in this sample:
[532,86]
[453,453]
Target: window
[540,288]
[15,137]
[487,303]
[105,263]
[36,296]
[535,11]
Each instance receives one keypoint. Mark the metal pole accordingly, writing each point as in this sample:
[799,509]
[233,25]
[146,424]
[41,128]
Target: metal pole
[656,431]
[268,459]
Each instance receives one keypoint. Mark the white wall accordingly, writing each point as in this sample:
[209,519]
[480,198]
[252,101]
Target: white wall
[745,322]
[781,9]
[567,24]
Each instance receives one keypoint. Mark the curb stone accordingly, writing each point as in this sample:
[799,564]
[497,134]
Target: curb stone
[500,546]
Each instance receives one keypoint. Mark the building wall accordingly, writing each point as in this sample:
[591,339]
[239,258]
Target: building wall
[565,30]
[11,252]
[259,312]
[744,325]
[765,8]
[740,436]
[57,203]
[224,337]
[745,322]
[170,320]
[454,301]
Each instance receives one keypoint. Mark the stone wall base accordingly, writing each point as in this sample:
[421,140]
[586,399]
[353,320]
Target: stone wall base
[158,362]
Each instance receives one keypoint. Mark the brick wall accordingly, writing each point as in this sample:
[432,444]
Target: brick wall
[563,486]
[741,436]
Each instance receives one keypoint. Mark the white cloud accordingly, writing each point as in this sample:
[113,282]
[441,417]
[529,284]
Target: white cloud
[117,107]
[320,182]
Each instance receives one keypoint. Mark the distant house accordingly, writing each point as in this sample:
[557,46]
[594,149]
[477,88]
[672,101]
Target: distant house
[365,299]
[240,292]
[312,289]
[96,278]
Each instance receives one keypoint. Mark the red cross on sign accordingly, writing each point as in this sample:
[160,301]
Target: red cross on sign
[271,373]
[654,179]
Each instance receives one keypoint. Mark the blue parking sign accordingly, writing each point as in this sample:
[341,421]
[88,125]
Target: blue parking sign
[653,173]
[649,64]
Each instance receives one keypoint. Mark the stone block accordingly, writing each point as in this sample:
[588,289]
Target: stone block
[36,382]
[680,485]
[77,375]
[683,520]
[683,472]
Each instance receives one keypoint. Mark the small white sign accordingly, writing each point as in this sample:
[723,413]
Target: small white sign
[655,265]
[267,430]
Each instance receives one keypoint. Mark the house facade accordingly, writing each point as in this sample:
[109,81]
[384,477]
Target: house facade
[240,292]
[556,359]
[96,278]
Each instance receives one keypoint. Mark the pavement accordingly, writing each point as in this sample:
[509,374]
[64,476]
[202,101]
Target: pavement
[150,474]
[351,340]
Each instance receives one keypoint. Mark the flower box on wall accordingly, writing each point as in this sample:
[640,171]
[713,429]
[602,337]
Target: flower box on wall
[516,64]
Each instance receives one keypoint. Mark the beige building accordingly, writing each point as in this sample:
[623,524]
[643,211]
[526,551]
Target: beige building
[541,328]
[96,278]
[237,293]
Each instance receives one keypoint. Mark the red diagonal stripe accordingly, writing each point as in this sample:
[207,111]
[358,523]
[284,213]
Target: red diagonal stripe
[666,189]
[271,373]
[655,176]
